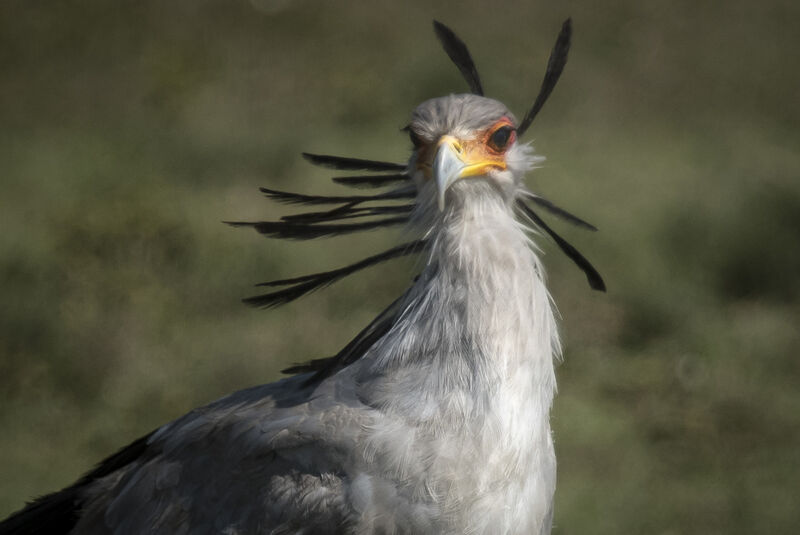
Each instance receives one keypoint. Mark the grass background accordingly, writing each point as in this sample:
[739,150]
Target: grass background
[129,130]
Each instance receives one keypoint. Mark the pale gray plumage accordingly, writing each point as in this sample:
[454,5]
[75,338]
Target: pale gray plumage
[442,426]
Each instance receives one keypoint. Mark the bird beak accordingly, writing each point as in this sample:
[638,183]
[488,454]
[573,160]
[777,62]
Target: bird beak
[456,159]
[447,166]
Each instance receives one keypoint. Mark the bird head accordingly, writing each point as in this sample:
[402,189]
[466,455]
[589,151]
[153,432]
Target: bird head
[459,140]
[466,137]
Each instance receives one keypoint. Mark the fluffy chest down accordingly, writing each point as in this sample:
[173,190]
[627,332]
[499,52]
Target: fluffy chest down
[488,474]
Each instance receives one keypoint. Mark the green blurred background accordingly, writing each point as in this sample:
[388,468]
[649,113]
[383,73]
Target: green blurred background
[130,130]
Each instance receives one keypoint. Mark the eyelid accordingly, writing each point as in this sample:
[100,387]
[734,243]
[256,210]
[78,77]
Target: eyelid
[511,137]
[500,126]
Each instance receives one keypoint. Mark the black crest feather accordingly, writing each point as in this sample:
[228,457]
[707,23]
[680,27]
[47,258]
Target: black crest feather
[352,164]
[370,181]
[560,212]
[299,198]
[594,278]
[305,284]
[459,54]
[294,230]
[348,211]
[555,66]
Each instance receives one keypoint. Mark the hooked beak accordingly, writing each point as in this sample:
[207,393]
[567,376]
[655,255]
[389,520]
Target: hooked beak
[456,159]
[447,166]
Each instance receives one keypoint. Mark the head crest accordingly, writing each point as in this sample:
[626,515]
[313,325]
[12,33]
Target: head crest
[555,66]
[459,54]
[345,214]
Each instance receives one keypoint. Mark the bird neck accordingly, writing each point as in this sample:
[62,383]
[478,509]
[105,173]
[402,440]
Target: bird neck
[478,325]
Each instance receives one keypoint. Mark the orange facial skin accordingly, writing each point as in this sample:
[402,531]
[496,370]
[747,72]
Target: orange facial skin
[479,154]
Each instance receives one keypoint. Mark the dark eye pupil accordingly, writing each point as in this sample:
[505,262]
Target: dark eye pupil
[501,136]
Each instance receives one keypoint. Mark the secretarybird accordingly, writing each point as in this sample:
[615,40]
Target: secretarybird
[433,419]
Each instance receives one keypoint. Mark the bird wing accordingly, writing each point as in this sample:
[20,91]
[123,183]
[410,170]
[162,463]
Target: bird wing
[279,441]
[271,457]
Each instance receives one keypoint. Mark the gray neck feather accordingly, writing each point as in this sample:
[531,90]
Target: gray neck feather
[479,318]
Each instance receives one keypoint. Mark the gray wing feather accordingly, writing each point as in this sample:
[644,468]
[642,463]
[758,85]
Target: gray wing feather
[271,459]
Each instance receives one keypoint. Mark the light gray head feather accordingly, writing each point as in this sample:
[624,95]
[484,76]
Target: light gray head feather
[459,115]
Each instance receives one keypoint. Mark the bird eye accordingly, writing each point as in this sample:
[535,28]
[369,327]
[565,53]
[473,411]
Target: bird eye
[500,138]
[415,139]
